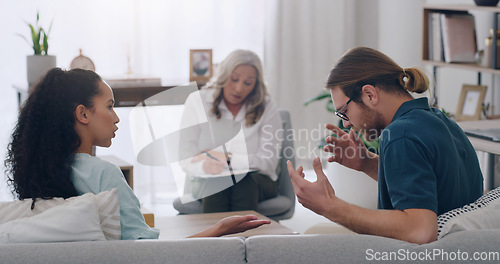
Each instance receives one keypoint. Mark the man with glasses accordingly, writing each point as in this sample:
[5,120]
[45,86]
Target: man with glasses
[426,165]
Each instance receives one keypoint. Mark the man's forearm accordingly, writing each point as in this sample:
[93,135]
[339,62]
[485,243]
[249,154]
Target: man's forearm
[371,166]
[412,225]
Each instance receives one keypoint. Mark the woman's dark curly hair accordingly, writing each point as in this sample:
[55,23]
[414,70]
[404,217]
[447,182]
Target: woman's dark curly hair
[40,154]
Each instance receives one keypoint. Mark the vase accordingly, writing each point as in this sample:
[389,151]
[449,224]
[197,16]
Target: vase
[37,66]
[353,186]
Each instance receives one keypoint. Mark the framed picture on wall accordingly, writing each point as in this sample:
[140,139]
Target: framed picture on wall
[200,65]
[471,102]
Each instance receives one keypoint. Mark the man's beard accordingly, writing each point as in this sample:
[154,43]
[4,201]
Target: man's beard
[372,124]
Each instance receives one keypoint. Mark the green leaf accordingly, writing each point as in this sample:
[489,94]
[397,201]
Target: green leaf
[35,36]
[45,43]
[330,107]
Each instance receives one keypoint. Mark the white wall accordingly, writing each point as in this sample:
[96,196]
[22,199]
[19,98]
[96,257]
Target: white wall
[366,20]
[157,35]
[400,27]
[400,37]
[102,35]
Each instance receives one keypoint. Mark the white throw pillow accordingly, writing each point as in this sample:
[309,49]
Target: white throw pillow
[484,213]
[108,206]
[77,220]
[107,203]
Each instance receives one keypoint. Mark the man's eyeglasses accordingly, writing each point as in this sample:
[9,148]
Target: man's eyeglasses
[341,113]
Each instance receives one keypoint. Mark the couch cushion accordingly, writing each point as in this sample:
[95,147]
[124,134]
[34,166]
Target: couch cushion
[356,248]
[484,213]
[288,249]
[151,251]
[76,220]
[107,203]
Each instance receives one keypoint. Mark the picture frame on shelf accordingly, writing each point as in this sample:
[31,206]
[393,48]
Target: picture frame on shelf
[200,65]
[470,102]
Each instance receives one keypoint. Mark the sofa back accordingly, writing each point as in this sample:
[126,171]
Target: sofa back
[286,249]
[193,250]
[482,244]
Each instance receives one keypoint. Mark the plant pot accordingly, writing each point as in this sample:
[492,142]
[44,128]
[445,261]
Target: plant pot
[353,186]
[37,66]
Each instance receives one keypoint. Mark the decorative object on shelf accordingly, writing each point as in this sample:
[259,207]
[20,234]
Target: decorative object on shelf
[37,66]
[39,63]
[435,38]
[450,36]
[128,81]
[430,12]
[488,52]
[480,60]
[459,37]
[470,102]
[200,65]
[82,62]
[486,2]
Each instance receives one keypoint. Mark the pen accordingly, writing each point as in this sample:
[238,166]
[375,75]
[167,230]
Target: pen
[209,155]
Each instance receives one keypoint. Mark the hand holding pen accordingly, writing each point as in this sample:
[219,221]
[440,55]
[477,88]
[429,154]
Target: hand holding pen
[214,162]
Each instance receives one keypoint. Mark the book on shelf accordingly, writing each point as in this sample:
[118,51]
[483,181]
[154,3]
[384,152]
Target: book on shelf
[459,37]
[435,39]
[133,81]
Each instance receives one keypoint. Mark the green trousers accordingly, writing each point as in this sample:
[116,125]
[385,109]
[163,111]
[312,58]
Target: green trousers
[244,195]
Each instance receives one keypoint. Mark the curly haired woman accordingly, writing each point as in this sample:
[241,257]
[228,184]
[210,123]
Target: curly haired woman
[50,153]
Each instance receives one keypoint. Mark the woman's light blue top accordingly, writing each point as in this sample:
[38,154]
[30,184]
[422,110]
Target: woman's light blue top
[91,174]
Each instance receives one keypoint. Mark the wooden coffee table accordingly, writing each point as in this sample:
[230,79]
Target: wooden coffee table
[182,226]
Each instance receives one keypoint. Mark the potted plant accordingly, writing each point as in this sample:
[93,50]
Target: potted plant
[40,62]
[352,186]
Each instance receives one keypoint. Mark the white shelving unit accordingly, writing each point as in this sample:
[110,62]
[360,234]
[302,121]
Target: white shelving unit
[494,69]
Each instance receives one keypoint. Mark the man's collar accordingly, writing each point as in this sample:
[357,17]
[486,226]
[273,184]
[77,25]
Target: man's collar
[420,103]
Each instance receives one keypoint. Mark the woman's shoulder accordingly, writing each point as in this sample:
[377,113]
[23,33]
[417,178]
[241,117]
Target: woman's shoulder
[270,104]
[207,94]
[92,174]
[94,163]
[268,99]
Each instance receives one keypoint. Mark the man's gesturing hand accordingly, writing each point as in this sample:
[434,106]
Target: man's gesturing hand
[348,149]
[318,196]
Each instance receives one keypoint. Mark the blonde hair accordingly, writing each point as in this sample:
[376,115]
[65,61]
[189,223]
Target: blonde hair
[255,101]
[362,65]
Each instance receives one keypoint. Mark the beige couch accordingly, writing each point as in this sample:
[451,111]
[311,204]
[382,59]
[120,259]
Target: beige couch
[262,249]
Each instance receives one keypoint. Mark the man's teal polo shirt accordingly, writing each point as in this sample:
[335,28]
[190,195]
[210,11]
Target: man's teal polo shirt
[426,162]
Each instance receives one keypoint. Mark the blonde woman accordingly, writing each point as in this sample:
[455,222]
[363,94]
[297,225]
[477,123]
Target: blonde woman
[236,95]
